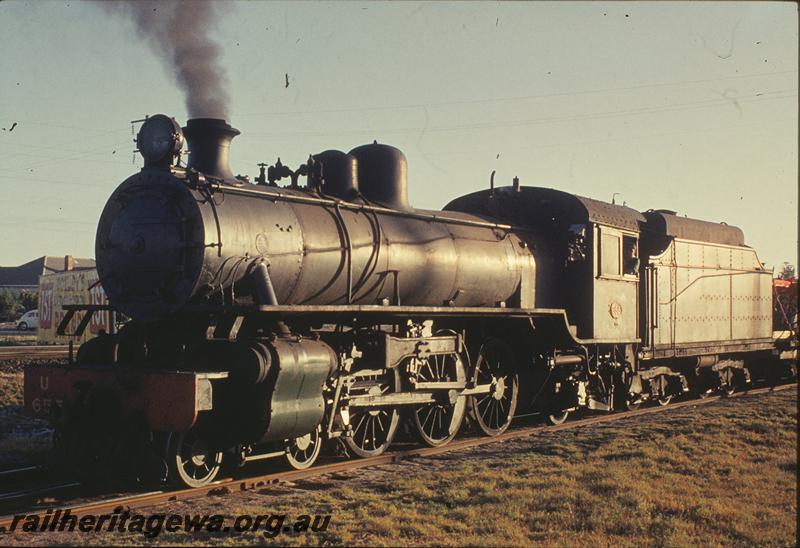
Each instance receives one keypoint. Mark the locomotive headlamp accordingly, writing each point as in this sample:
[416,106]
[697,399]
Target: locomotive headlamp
[160,140]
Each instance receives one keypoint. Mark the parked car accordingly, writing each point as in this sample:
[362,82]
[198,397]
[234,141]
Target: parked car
[29,320]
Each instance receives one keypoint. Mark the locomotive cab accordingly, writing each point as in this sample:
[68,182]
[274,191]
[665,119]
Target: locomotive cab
[586,252]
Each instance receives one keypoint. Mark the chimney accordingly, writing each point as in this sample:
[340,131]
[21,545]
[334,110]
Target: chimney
[209,141]
[69,263]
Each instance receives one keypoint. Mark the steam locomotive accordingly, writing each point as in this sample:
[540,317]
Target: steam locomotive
[270,321]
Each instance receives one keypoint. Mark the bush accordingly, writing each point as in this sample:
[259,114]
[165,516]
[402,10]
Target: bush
[29,299]
[15,303]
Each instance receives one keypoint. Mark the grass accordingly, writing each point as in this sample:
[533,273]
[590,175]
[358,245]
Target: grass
[718,475]
[721,475]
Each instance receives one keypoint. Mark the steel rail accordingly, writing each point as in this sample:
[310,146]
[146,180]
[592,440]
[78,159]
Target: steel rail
[19,471]
[41,490]
[31,352]
[231,485]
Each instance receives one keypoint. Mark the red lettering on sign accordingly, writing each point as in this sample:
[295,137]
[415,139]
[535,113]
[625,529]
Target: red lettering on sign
[46,306]
[99,321]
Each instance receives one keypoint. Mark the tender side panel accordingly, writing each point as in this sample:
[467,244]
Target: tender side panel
[709,293]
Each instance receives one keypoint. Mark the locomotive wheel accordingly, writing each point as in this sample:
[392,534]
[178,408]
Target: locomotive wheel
[374,429]
[438,422]
[663,401]
[302,452]
[558,418]
[492,412]
[191,460]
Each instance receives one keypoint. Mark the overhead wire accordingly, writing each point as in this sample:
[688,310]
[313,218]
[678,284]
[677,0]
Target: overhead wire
[723,101]
[65,158]
[53,181]
[40,147]
[708,103]
[618,139]
[519,97]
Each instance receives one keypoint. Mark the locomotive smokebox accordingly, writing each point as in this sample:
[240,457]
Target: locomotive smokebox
[209,142]
[382,174]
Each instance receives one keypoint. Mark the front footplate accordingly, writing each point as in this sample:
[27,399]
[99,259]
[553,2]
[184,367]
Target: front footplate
[168,401]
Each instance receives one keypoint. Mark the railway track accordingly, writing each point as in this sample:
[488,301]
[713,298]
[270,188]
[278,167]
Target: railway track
[15,473]
[33,352]
[26,482]
[231,485]
[10,479]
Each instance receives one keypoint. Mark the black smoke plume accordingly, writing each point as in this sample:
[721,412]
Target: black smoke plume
[178,31]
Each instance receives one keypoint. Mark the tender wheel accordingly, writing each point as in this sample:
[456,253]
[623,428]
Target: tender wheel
[699,385]
[704,394]
[373,429]
[191,460]
[437,423]
[557,418]
[302,452]
[495,366]
[664,400]
[727,381]
[625,398]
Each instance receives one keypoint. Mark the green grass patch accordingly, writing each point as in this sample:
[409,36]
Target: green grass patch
[718,475]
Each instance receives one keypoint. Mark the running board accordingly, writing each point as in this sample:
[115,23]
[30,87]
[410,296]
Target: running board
[415,398]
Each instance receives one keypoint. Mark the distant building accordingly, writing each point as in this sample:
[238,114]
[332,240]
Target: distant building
[26,276]
[78,286]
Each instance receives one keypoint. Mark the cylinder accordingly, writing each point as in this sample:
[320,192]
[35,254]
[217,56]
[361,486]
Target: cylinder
[248,362]
[295,399]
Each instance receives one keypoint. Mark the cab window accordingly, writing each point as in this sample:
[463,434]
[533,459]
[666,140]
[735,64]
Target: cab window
[630,256]
[610,254]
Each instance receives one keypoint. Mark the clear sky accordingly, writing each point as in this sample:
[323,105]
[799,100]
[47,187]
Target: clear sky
[688,106]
